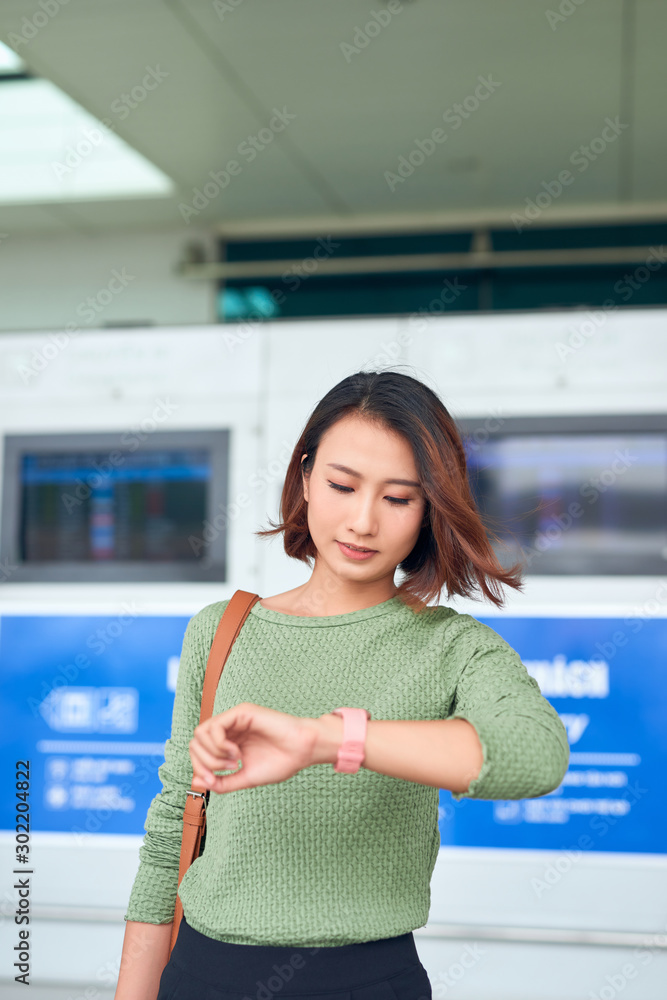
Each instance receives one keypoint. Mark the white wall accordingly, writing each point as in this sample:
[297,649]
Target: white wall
[262,380]
[46,280]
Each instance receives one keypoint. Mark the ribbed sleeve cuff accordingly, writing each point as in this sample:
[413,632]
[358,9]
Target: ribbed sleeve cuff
[524,757]
[153,896]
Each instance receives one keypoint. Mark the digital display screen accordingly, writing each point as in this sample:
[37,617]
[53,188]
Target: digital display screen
[82,506]
[575,503]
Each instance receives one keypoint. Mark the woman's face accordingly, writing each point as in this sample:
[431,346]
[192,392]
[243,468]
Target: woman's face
[350,499]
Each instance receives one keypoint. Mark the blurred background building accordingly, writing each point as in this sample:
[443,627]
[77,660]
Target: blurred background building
[211,211]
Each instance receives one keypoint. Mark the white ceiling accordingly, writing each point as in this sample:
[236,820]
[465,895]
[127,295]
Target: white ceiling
[228,68]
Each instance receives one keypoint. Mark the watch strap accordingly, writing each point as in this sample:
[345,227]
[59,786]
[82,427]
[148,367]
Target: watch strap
[352,750]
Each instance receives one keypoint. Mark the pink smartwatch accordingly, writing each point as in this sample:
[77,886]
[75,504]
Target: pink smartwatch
[351,751]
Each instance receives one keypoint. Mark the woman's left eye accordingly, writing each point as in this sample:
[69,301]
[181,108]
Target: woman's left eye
[348,489]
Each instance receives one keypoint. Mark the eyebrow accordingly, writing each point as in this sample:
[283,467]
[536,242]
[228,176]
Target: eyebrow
[351,472]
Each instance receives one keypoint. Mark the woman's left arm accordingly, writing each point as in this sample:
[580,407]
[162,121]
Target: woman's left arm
[445,753]
[503,740]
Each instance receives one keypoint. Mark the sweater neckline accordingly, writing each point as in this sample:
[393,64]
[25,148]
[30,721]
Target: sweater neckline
[392,605]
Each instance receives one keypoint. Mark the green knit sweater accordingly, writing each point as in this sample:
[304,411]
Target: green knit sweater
[328,858]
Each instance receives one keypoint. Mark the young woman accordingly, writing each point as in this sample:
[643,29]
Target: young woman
[315,871]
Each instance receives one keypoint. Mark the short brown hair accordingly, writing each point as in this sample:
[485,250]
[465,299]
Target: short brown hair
[453,549]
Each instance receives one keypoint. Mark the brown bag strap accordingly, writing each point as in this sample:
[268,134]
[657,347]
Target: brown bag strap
[194,812]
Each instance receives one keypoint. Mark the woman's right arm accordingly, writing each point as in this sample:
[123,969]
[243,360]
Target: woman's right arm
[150,911]
[144,956]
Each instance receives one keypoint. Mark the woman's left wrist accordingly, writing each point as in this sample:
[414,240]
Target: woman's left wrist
[327,736]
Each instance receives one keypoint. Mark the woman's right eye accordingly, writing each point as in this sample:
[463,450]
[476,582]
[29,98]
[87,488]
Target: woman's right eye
[394,501]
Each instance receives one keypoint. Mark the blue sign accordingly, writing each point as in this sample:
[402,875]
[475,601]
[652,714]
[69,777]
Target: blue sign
[88,701]
[607,680]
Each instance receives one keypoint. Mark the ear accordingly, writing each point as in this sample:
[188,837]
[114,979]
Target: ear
[304,480]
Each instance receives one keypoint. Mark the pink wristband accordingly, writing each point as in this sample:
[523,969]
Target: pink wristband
[352,750]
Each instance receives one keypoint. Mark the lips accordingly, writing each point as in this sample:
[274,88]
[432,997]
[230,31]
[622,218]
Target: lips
[357,548]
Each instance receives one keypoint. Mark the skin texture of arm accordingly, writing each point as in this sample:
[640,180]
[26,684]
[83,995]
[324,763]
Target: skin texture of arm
[501,738]
[445,753]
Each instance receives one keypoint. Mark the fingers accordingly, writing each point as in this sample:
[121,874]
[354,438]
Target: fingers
[230,782]
[204,762]
[211,737]
[211,750]
[213,757]
[199,784]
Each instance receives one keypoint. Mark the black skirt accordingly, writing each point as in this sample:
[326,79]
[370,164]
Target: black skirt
[201,967]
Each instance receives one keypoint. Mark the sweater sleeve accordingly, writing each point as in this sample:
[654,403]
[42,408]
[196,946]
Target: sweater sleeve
[525,744]
[153,894]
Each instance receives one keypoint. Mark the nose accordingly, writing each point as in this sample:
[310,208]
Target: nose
[362,518]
